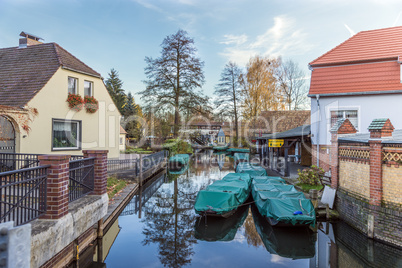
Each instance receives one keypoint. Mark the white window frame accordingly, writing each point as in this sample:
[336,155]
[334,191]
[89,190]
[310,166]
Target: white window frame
[344,108]
[79,135]
[76,85]
[91,89]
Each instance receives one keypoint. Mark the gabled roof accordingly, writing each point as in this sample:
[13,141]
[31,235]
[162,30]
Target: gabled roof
[25,71]
[122,131]
[279,121]
[381,44]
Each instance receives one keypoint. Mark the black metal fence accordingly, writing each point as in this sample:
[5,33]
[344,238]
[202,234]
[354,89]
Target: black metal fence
[122,164]
[23,194]
[152,160]
[14,161]
[81,178]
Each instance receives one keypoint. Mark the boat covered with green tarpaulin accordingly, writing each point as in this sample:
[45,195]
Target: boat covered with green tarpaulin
[223,197]
[238,150]
[253,170]
[282,204]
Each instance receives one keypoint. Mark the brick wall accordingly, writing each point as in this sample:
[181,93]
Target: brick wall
[392,184]
[324,156]
[355,211]
[355,177]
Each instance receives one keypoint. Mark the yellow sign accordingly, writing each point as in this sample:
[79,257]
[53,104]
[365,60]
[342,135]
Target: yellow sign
[275,143]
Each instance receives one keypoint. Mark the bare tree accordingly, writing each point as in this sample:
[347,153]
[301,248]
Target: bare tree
[228,91]
[292,83]
[174,77]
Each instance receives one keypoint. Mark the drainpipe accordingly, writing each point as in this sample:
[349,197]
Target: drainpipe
[318,129]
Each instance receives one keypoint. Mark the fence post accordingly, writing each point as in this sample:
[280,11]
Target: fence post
[140,169]
[57,185]
[100,170]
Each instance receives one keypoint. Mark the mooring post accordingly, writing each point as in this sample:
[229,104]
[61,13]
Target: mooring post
[140,170]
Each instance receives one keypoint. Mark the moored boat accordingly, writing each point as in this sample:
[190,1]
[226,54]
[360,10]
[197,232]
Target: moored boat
[238,150]
[223,197]
[220,148]
[282,204]
[253,170]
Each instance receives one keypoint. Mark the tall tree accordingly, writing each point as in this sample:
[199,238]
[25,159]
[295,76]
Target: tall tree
[130,108]
[173,77]
[115,87]
[292,83]
[260,90]
[228,91]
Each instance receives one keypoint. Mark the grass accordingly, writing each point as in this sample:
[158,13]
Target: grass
[138,151]
[307,187]
[114,186]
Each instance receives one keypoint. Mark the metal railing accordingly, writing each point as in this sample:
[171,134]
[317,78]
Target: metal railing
[152,160]
[122,164]
[23,194]
[15,161]
[81,178]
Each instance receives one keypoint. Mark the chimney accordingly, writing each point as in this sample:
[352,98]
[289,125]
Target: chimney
[29,40]
[381,128]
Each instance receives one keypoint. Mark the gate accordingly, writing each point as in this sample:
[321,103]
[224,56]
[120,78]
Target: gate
[7,135]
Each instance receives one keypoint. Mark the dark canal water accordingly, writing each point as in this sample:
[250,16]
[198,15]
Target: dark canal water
[159,228]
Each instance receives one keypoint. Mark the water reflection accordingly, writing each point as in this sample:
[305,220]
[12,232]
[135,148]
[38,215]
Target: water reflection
[159,228]
[220,229]
[288,242]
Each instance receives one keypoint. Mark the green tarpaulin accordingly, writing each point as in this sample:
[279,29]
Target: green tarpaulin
[224,195]
[180,158]
[274,187]
[251,169]
[238,150]
[267,179]
[282,209]
[219,202]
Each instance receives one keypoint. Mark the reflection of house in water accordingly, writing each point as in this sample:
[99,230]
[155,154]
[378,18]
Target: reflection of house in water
[339,245]
[106,242]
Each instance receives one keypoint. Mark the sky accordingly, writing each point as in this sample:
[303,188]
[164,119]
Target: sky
[119,34]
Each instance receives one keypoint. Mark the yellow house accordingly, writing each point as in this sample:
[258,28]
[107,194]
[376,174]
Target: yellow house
[122,139]
[38,77]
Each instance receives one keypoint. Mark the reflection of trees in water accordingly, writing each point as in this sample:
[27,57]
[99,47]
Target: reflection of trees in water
[250,232]
[169,222]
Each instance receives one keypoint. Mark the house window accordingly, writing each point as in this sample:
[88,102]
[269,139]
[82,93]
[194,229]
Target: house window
[88,88]
[121,140]
[72,85]
[66,134]
[352,115]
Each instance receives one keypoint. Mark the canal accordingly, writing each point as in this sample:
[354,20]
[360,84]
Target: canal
[159,228]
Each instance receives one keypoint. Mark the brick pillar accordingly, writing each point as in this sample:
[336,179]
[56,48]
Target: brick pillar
[375,172]
[57,185]
[100,176]
[334,161]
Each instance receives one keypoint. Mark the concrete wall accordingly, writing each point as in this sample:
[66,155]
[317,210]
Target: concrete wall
[49,237]
[99,130]
[369,108]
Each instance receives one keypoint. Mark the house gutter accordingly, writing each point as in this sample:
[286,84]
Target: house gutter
[357,93]
[77,71]
[318,129]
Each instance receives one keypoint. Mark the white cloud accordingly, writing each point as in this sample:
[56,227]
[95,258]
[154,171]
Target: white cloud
[283,38]
[234,39]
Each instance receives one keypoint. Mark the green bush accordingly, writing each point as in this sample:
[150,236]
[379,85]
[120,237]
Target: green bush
[311,175]
[177,146]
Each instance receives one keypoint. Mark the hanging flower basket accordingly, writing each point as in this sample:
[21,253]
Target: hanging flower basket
[91,104]
[75,102]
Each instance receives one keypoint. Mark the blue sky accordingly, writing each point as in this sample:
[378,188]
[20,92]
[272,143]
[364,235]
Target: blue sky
[121,33]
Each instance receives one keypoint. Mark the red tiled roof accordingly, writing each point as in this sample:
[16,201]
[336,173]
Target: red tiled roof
[367,45]
[25,71]
[374,77]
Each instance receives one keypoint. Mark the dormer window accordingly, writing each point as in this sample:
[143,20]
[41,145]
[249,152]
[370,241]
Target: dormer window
[88,88]
[72,85]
